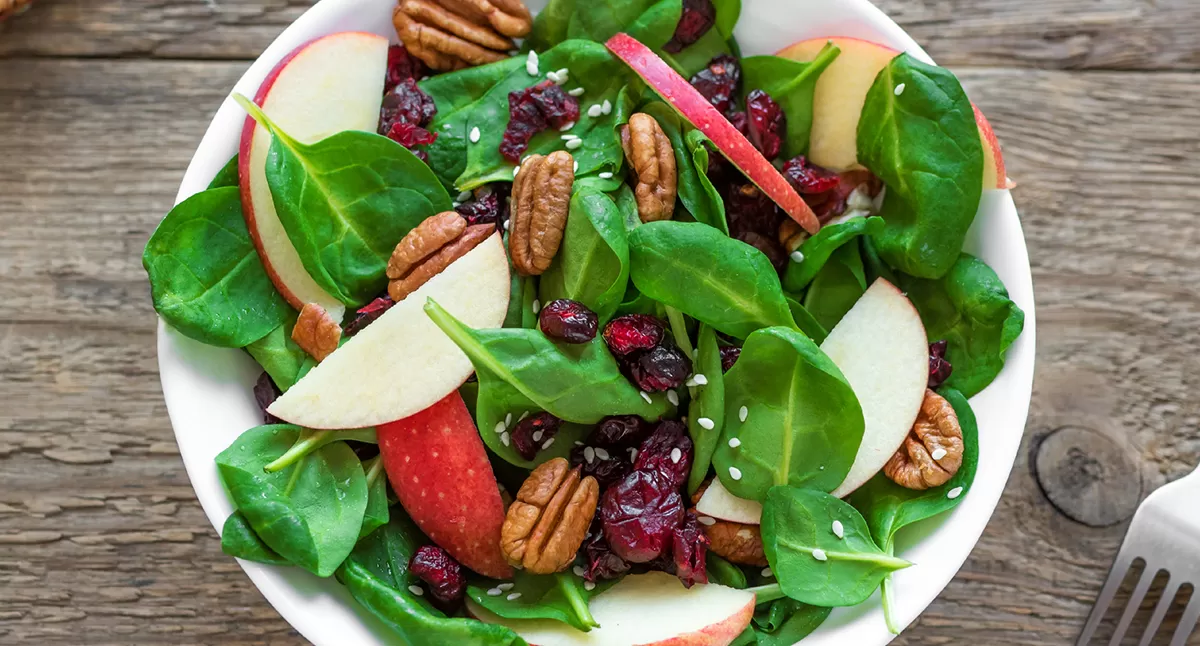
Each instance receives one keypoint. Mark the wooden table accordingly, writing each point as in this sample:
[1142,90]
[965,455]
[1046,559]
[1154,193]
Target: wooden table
[103,101]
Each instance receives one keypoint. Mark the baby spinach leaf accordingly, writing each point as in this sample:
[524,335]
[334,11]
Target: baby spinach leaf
[918,134]
[786,621]
[873,265]
[560,597]
[206,278]
[310,440]
[376,514]
[309,513]
[636,302]
[812,564]
[550,25]
[227,176]
[239,541]
[819,248]
[708,402]
[806,322]
[695,191]
[346,201]
[791,84]
[746,638]
[707,275]
[724,573]
[837,287]
[970,308]
[529,296]
[279,355]
[650,21]
[803,423]
[592,266]
[728,12]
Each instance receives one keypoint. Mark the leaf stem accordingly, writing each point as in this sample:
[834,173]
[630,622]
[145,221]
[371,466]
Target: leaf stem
[885,590]
[766,593]
[579,604]
[307,443]
[374,467]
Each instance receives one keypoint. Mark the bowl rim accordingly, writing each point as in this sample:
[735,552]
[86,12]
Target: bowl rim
[323,612]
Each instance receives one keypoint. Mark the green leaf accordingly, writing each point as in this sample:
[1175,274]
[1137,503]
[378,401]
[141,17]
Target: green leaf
[792,85]
[227,176]
[924,144]
[592,265]
[818,249]
[797,532]
[558,597]
[376,514]
[309,513]
[970,308]
[837,287]
[803,422]
[239,541]
[707,275]
[708,402]
[346,201]
[695,191]
[206,278]
[806,322]
[724,573]
[652,22]
[279,355]
[786,621]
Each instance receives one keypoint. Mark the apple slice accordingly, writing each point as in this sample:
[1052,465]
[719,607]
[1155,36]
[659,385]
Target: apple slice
[719,503]
[325,86]
[692,105]
[994,173]
[439,469]
[880,347]
[651,609]
[403,363]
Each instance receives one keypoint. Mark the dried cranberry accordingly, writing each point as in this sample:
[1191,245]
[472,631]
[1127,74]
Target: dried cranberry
[939,367]
[568,321]
[607,466]
[601,562]
[406,104]
[401,66]
[533,110]
[640,514]
[729,356]
[619,432]
[633,332]
[768,124]
[718,81]
[769,246]
[697,18]
[368,313]
[442,574]
[265,393]
[557,106]
[751,211]
[488,207]
[808,178]
[660,368]
[531,433]
[410,136]
[690,551]
[740,121]
[668,452]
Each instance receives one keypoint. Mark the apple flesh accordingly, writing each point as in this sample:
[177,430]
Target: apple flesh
[438,467]
[646,609]
[720,504]
[692,106]
[881,348]
[403,363]
[995,176]
[325,86]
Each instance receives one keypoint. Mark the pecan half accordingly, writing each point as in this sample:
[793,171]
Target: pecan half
[653,160]
[452,34]
[933,451]
[540,197]
[735,542]
[316,332]
[429,248]
[547,523]
[509,17]
[791,235]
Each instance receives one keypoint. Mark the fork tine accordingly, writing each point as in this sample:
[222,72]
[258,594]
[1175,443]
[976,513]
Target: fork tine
[1188,622]
[1119,567]
[1160,611]
[1135,602]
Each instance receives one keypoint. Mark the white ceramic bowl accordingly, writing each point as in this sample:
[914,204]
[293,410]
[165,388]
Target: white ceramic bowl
[208,390]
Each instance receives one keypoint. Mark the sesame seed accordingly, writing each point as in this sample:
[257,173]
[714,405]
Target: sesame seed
[447,126]
[508,419]
[606,107]
[504,438]
[735,473]
[547,444]
[743,412]
[455,204]
[578,570]
[673,397]
[602,454]
[700,379]
[568,137]
[537,436]
[705,520]
[514,596]
[501,426]
[796,256]
[595,111]
[505,587]
[734,442]
[899,89]
[767,572]
[606,175]
[819,554]
[706,423]
[523,416]
[495,592]
[632,454]
[531,63]
[938,454]
[578,443]
[822,467]
[954,493]
[416,589]
[506,225]
[589,454]
[563,72]
[576,167]
[516,169]
[576,92]
[537,306]
[589,586]
[474,136]
[554,78]
[574,143]
[646,396]
[676,455]
[567,126]
[838,530]
[464,196]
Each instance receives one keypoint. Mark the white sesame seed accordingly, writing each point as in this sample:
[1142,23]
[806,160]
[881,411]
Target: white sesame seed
[508,419]
[690,383]
[602,454]
[506,225]
[474,136]
[766,572]
[574,143]
[700,379]
[705,520]
[595,111]
[447,126]
[531,63]
[576,92]
[646,396]
[735,473]
[537,306]
[606,107]
[899,89]
[504,438]
[743,412]
[706,423]
[516,169]
[567,126]
[547,444]
[606,175]
[589,454]
[537,436]
[796,256]
[495,592]
[576,167]
[819,554]
[553,77]
[578,570]
[563,72]
[464,196]
[632,454]
[578,443]
[501,426]
[505,587]
[734,442]
[676,455]
[568,137]
[416,589]
[514,596]
[954,493]
[822,467]
[938,454]
[456,204]
[838,530]
[673,397]
[589,586]
[523,416]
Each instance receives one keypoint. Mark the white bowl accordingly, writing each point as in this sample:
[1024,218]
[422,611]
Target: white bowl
[208,390]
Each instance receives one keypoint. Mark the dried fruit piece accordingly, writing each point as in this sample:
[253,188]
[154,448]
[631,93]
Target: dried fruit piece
[533,110]
[316,332]
[768,124]
[939,368]
[660,368]
[607,466]
[531,433]
[490,205]
[568,321]
[367,314]
[729,356]
[933,451]
[668,452]
[689,551]
[406,103]
[266,392]
[549,519]
[652,159]
[808,178]
[640,514]
[541,192]
[770,247]
[411,136]
[401,65]
[619,432]
[697,18]
[632,333]
[751,211]
[440,572]
[718,81]
[601,563]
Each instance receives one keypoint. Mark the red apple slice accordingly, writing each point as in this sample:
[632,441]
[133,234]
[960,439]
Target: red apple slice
[651,609]
[438,467]
[994,173]
[325,86]
[692,105]
[719,503]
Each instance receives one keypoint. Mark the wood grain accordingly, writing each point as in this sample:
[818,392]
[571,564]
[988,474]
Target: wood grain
[101,539]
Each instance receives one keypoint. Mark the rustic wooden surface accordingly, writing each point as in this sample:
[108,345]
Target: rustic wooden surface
[102,101]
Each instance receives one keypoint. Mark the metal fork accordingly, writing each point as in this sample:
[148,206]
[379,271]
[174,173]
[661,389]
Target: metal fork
[1165,533]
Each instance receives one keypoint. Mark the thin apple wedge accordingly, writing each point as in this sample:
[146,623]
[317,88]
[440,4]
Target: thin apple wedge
[720,504]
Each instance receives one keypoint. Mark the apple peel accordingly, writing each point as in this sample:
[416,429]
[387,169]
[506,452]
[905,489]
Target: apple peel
[692,106]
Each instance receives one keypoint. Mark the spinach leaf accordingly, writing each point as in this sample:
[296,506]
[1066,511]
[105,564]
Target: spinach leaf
[227,176]
[922,141]
[837,287]
[346,201]
[650,21]
[376,514]
[745,638]
[636,302]
[791,84]
[695,191]
[279,355]
[707,275]
[725,573]
[206,278]
[708,402]
[874,265]
[970,308]
[310,440]
[803,423]
[812,564]
[818,249]
[806,322]
[309,513]
[239,540]
[592,266]
[560,597]
[786,621]
[550,25]
[728,12]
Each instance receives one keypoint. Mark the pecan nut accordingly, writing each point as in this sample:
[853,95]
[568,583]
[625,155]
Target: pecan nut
[540,198]
[548,521]
[316,332]
[652,158]
[791,235]
[452,34]
[735,542]
[933,451]
[429,248]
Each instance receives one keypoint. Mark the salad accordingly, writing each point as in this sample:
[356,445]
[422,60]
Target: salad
[584,328]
